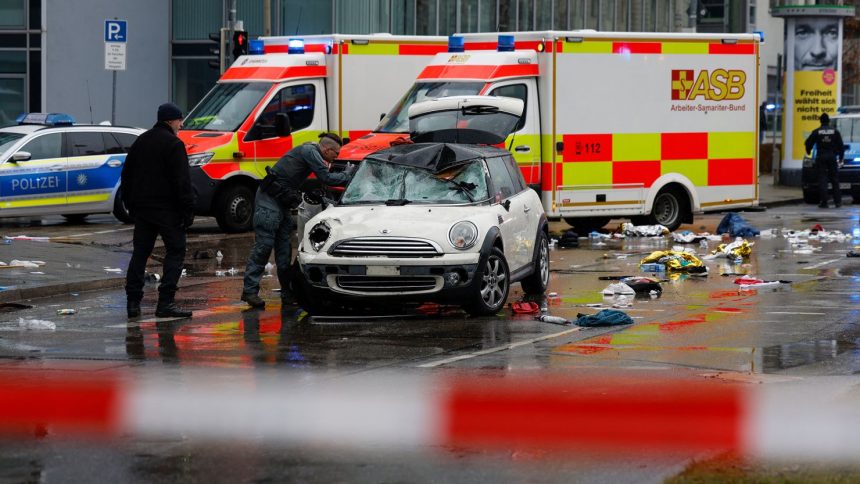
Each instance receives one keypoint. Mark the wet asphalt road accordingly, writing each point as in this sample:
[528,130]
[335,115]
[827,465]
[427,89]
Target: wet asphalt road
[700,328]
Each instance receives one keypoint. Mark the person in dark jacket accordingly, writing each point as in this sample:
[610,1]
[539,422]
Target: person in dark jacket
[156,190]
[273,223]
[830,150]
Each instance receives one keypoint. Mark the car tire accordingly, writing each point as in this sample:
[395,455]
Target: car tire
[538,280]
[586,225]
[492,284]
[670,207]
[234,211]
[119,210]
[75,218]
[811,196]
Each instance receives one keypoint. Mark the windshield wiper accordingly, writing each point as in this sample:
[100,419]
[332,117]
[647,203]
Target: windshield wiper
[464,187]
[397,201]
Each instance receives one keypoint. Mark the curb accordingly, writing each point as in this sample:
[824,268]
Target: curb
[782,203]
[63,289]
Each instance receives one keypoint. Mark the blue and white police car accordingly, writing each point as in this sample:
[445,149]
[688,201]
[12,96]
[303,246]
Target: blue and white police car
[51,166]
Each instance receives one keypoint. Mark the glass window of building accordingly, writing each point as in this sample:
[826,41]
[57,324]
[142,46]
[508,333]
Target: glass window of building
[11,99]
[525,15]
[362,16]
[577,15]
[403,17]
[488,16]
[306,18]
[11,13]
[425,18]
[507,15]
[560,14]
[250,12]
[192,79]
[195,19]
[469,16]
[13,62]
[448,17]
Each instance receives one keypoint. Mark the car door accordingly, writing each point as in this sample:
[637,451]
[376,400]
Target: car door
[303,104]
[529,203]
[510,219]
[37,185]
[92,171]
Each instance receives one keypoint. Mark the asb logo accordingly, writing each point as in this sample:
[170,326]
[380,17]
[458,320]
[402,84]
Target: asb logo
[716,85]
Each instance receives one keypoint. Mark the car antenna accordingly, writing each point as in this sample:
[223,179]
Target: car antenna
[90,100]
[299,21]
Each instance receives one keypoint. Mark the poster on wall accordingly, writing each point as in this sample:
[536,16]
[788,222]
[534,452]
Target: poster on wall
[816,44]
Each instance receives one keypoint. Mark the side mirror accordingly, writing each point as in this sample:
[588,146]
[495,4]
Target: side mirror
[282,124]
[20,156]
[507,205]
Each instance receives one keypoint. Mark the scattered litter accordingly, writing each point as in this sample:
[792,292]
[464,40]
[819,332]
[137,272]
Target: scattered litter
[525,307]
[552,294]
[688,237]
[184,273]
[30,264]
[653,267]
[630,230]
[38,273]
[65,312]
[269,267]
[27,237]
[569,240]
[113,270]
[36,324]
[642,285]
[618,288]
[229,272]
[676,261]
[546,318]
[738,250]
[747,282]
[606,317]
[735,225]
[219,256]
[152,277]
[622,302]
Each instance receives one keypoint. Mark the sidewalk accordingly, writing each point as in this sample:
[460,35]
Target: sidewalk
[774,196]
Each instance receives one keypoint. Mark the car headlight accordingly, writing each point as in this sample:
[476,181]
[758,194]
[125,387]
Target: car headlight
[319,235]
[198,159]
[463,235]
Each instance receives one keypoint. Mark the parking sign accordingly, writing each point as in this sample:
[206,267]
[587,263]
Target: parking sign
[116,31]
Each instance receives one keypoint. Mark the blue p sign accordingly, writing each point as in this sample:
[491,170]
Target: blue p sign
[116,30]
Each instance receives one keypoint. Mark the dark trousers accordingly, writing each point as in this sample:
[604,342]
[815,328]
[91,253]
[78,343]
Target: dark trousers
[149,224]
[828,171]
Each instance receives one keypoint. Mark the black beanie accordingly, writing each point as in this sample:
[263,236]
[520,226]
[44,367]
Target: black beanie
[169,112]
[824,118]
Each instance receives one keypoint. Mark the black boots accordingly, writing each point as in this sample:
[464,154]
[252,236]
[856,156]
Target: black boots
[253,300]
[169,309]
[132,308]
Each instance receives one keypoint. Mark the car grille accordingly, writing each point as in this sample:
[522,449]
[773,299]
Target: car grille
[381,285]
[385,247]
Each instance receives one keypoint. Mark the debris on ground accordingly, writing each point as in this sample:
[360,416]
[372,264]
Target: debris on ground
[546,318]
[749,282]
[618,288]
[151,277]
[66,312]
[525,307]
[229,272]
[676,261]
[37,324]
[642,285]
[738,250]
[735,225]
[689,237]
[622,302]
[26,237]
[28,264]
[569,240]
[113,270]
[630,230]
[606,317]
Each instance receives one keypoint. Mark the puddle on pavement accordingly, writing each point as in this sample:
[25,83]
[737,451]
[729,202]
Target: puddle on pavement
[792,355]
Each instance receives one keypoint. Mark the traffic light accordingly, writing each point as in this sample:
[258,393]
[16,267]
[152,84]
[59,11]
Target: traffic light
[219,51]
[240,43]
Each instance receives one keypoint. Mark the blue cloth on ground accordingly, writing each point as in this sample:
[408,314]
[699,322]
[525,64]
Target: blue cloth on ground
[735,225]
[606,317]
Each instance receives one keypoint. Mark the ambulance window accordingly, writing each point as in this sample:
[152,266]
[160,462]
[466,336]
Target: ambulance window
[516,91]
[296,101]
[45,147]
[503,186]
[86,144]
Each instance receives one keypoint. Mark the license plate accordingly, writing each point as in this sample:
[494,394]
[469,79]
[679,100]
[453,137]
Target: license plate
[383,271]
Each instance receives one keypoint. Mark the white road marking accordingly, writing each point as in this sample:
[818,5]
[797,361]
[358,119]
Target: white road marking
[795,312]
[821,264]
[497,349]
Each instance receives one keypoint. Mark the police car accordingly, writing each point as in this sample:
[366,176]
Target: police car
[51,166]
[847,121]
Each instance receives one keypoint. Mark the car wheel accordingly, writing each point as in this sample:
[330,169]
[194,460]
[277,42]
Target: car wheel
[537,281]
[492,285]
[811,196]
[669,209]
[75,218]
[119,210]
[235,209]
[586,225]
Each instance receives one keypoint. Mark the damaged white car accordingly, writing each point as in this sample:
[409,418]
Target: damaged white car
[447,219]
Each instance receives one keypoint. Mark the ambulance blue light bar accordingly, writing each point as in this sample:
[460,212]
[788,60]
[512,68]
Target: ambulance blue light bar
[255,47]
[456,44]
[296,46]
[506,43]
[48,119]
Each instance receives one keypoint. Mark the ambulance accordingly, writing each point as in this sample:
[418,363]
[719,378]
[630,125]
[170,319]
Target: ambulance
[287,92]
[648,126]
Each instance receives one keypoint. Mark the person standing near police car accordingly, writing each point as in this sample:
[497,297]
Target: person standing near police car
[156,190]
[829,152]
[273,224]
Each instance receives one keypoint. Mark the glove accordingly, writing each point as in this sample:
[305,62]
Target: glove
[187,220]
[349,169]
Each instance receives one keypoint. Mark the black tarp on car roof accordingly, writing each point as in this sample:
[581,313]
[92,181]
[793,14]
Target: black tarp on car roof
[434,157]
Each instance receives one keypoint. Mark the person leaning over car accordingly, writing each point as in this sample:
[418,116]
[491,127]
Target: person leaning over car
[156,190]
[277,195]
[830,150]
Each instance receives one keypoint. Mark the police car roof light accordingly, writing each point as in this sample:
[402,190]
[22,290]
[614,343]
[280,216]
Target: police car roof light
[760,36]
[456,44]
[295,46]
[255,47]
[506,43]
[48,119]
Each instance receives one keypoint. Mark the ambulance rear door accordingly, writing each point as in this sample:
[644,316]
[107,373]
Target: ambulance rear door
[524,142]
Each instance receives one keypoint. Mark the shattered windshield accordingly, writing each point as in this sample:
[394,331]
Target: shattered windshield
[381,182]
[397,121]
[226,106]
